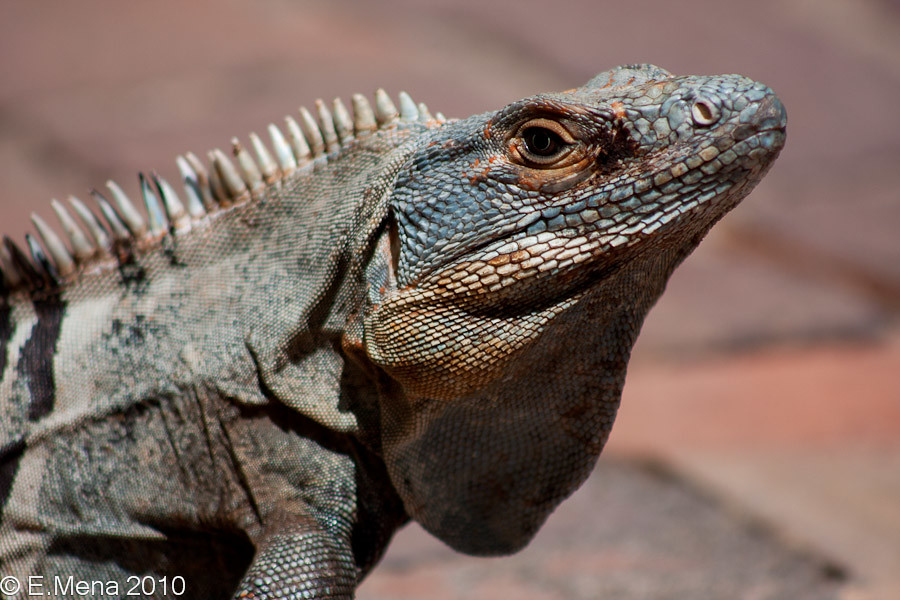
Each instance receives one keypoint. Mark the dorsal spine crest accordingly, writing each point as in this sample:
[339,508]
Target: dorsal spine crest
[208,188]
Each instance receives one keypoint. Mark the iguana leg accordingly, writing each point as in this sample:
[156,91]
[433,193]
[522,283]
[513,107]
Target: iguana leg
[301,562]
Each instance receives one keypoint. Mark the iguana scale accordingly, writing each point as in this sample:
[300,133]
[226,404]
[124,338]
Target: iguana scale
[398,316]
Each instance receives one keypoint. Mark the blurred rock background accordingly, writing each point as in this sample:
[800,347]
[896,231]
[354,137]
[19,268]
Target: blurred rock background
[757,451]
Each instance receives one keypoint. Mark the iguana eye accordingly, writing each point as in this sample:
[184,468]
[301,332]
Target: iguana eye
[543,143]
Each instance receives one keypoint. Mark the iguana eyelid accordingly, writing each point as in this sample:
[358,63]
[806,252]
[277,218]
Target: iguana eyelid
[551,124]
[571,153]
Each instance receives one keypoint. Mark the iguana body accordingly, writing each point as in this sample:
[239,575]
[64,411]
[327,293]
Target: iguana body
[403,316]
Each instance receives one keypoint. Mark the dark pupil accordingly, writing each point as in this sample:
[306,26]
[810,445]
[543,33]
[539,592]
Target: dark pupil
[541,142]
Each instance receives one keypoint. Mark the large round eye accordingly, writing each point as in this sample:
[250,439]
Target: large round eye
[543,143]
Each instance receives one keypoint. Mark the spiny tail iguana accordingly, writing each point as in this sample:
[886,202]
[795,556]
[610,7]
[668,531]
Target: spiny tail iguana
[244,393]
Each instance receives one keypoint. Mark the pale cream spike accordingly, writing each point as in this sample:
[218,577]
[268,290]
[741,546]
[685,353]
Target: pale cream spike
[408,109]
[101,238]
[363,117]
[233,185]
[217,188]
[191,188]
[267,166]
[311,131]
[283,152]
[155,216]
[7,270]
[127,210]
[65,264]
[203,180]
[326,124]
[118,228]
[440,118]
[249,170]
[178,216]
[298,142]
[81,246]
[424,115]
[385,111]
[343,124]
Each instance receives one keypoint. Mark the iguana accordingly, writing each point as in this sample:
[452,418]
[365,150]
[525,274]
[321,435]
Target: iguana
[388,316]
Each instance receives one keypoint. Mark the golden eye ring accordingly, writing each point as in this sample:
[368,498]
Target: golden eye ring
[543,143]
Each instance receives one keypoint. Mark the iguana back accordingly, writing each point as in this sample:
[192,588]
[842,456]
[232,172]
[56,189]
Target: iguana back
[398,315]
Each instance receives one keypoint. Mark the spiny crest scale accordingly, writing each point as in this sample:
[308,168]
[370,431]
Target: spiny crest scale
[208,188]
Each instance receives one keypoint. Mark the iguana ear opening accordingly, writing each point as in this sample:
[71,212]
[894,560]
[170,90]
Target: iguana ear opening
[381,272]
[393,236]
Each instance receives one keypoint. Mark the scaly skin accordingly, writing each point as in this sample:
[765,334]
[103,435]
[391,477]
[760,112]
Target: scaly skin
[434,321]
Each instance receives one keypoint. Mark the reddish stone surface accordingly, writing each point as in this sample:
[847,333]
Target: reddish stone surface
[822,397]
[633,531]
[776,343]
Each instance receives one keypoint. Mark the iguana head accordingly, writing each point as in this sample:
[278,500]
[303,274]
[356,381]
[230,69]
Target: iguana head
[525,249]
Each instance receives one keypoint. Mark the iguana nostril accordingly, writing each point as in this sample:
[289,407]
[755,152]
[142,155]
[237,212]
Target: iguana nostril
[705,112]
